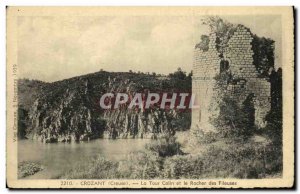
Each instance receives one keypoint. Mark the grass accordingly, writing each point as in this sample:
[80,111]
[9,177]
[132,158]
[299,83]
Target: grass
[96,168]
[28,168]
[245,161]
[235,160]
[138,165]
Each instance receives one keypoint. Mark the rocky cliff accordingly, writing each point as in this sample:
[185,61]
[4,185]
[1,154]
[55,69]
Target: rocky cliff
[69,110]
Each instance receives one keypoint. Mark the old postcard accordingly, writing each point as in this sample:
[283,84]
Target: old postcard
[150,97]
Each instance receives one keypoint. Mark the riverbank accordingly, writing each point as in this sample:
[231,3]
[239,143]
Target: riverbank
[215,160]
[26,169]
[171,158]
[59,157]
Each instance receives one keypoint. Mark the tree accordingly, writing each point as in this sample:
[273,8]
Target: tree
[263,57]
[180,80]
[274,117]
[22,126]
[179,74]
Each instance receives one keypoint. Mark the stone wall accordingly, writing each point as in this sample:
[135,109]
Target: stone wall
[238,54]
[205,67]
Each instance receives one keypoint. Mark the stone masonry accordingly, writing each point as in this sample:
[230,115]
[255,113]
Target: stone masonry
[237,57]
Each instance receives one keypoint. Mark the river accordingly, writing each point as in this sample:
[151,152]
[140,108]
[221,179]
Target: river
[59,157]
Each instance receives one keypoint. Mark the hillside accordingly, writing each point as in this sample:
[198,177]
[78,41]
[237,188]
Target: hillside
[68,110]
[28,90]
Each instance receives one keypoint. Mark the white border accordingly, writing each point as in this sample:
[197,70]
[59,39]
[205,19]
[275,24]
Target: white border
[3,4]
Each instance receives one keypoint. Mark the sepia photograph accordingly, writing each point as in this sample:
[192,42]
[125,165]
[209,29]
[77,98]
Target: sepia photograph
[150,97]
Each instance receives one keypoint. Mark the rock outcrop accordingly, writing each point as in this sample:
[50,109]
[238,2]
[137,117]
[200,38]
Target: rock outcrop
[69,110]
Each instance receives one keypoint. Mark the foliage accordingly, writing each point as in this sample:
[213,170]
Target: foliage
[28,91]
[208,137]
[78,97]
[263,48]
[263,57]
[180,80]
[246,160]
[98,126]
[236,161]
[28,168]
[22,123]
[177,167]
[165,146]
[223,30]
[204,43]
[274,118]
[273,128]
[140,165]
[182,121]
[233,120]
[96,168]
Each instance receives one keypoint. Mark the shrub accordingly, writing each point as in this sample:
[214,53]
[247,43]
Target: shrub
[28,168]
[96,168]
[140,165]
[251,160]
[22,123]
[263,57]
[204,44]
[223,30]
[165,146]
[243,161]
[233,121]
[177,167]
[207,137]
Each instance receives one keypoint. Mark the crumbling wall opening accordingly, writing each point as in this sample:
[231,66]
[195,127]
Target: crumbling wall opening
[224,66]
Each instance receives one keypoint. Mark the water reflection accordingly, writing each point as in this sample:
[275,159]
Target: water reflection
[61,156]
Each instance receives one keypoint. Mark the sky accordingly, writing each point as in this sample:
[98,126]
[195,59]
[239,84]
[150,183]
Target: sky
[56,48]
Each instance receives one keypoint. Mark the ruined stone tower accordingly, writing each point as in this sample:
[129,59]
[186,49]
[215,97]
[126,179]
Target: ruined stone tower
[236,57]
